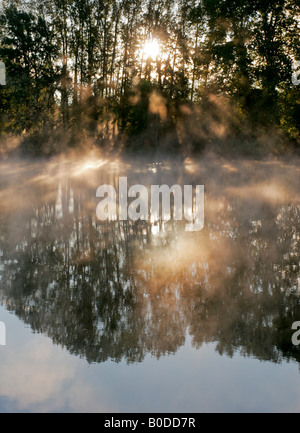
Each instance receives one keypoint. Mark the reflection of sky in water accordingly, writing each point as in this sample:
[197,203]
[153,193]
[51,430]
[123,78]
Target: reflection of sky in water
[38,376]
[189,317]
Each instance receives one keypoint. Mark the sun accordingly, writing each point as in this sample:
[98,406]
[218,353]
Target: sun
[151,48]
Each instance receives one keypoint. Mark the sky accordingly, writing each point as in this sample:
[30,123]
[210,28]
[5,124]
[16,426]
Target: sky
[37,376]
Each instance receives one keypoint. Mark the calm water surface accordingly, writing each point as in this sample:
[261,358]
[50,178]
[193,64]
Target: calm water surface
[143,316]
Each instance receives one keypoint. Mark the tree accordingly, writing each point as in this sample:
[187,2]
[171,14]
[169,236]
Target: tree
[28,51]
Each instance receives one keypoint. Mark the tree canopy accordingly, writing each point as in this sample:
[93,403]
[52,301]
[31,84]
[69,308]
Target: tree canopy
[151,73]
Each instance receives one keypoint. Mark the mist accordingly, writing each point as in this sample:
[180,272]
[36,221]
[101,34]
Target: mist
[181,93]
[152,278]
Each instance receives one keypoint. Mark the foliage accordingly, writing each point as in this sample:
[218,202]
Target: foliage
[81,65]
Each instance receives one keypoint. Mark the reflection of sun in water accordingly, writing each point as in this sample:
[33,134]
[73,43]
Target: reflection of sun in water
[151,48]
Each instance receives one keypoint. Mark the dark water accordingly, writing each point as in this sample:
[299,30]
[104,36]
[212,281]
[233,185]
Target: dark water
[143,316]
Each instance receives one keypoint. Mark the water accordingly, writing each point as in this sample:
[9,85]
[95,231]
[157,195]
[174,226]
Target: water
[126,316]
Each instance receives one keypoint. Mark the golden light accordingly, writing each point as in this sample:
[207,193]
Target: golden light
[151,48]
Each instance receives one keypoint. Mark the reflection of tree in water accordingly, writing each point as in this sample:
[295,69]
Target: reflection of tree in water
[123,289]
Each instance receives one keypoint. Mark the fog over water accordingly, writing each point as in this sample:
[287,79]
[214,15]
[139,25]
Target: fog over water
[124,298]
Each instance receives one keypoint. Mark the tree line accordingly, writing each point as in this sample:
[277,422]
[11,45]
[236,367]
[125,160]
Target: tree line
[222,71]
